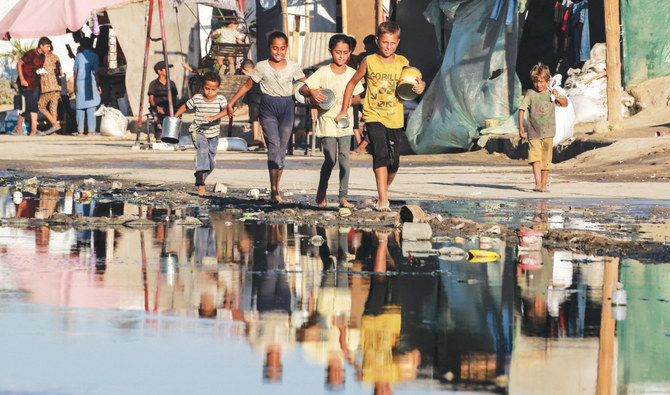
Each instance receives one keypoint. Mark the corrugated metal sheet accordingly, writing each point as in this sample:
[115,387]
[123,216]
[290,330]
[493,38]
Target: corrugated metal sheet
[315,50]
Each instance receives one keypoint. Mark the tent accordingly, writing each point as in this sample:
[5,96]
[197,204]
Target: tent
[36,18]
[477,79]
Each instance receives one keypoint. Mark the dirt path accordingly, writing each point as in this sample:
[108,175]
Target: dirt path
[477,175]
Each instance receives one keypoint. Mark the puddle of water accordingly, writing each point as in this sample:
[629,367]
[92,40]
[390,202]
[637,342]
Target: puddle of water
[170,308]
[626,219]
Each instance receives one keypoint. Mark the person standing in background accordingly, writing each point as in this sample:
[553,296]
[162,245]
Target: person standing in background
[29,82]
[87,86]
[50,90]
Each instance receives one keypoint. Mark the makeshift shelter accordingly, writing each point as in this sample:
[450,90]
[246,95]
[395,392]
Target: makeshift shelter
[477,89]
[182,37]
[477,80]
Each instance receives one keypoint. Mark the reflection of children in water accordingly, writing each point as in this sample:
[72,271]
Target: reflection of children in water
[271,288]
[325,336]
[49,199]
[541,217]
[207,308]
[205,248]
[271,331]
[380,328]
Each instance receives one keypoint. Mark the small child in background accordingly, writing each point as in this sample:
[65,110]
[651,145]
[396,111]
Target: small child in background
[253,100]
[205,128]
[158,97]
[205,65]
[541,109]
[335,140]
[229,35]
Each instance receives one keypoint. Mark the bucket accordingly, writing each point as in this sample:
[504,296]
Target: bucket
[171,128]
[409,77]
[409,213]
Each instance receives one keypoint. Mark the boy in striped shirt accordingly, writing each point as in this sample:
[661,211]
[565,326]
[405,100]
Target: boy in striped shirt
[205,129]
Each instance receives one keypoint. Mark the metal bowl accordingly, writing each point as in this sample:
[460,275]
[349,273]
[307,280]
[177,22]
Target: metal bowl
[343,123]
[296,92]
[330,101]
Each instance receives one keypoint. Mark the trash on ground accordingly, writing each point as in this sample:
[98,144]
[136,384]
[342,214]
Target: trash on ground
[416,231]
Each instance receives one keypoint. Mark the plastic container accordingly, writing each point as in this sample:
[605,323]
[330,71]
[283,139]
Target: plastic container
[416,231]
[296,92]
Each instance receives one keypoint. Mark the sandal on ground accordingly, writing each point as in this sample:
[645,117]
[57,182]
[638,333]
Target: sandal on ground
[538,189]
[52,130]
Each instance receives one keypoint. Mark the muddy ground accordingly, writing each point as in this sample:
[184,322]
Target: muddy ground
[631,164]
[183,206]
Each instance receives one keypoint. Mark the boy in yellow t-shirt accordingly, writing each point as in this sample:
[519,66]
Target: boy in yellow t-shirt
[382,110]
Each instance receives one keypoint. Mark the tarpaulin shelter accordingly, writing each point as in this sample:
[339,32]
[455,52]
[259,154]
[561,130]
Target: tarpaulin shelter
[477,79]
[36,18]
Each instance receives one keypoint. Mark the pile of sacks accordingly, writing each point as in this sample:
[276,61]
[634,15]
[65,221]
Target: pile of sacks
[587,88]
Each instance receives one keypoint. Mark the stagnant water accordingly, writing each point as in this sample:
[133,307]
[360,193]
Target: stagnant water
[246,307]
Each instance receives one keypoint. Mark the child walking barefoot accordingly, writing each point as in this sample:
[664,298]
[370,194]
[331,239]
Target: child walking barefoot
[541,124]
[205,128]
[382,110]
[336,141]
[275,77]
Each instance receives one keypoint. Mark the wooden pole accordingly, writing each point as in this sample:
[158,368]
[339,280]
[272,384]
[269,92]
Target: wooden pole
[295,37]
[612,36]
[345,21]
[607,329]
[144,74]
[284,10]
[165,56]
[379,12]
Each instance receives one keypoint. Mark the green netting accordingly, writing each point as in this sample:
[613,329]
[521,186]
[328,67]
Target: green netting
[646,46]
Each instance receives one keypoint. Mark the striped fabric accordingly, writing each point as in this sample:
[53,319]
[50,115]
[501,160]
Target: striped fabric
[204,108]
